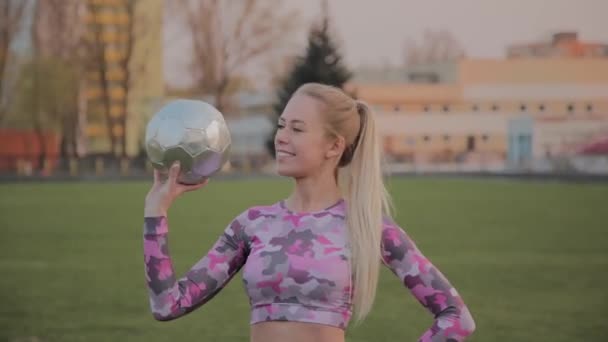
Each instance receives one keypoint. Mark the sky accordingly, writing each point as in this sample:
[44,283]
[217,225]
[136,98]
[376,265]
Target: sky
[374,31]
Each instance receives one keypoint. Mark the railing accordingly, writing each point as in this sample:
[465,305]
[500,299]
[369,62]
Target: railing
[101,166]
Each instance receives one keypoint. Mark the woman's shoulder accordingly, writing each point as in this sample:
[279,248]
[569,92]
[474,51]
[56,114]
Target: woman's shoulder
[390,228]
[388,222]
[259,213]
[252,218]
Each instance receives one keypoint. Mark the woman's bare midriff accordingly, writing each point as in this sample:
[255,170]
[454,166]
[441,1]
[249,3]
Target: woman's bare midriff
[295,332]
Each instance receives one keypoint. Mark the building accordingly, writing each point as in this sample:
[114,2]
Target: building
[493,110]
[562,44]
[422,73]
[121,92]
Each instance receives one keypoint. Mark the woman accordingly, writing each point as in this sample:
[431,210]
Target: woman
[310,261]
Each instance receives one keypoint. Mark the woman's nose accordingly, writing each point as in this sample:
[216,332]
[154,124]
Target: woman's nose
[281,137]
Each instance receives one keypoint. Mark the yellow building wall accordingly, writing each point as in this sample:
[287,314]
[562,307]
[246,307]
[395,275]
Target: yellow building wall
[533,70]
[404,94]
[146,84]
[415,119]
[536,86]
[554,75]
[444,146]
[441,137]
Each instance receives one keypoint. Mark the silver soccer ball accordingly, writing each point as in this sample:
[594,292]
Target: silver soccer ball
[191,132]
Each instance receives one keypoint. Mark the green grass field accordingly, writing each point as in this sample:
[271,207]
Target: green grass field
[529,258]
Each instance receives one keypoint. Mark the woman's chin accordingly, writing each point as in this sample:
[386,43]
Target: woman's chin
[281,171]
[284,171]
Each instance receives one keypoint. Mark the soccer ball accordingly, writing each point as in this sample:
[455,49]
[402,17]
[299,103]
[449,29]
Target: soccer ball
[191,132]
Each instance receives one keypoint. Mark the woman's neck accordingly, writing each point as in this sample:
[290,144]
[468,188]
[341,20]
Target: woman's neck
[314,194]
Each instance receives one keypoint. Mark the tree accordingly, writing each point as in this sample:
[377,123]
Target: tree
[436,46]
[58,36]
[227,35]
[322,63]
[11,14]
[46,88]
[125,65]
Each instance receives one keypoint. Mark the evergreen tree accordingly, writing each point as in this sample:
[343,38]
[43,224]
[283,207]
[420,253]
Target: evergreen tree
[322,63]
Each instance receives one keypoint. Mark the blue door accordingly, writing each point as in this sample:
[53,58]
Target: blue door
[520,139]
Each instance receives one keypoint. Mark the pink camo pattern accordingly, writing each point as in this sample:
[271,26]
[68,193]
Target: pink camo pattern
[296,268]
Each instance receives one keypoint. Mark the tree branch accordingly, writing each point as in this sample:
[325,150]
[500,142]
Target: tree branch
[222,45]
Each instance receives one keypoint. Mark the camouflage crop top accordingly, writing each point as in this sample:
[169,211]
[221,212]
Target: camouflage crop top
[295,268]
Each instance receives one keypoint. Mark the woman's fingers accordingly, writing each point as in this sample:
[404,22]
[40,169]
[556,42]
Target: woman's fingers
[157,180]
[186,188]
[174,186]
[174,173]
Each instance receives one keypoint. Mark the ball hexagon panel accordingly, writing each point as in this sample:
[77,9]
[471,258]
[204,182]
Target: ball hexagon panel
[194,141]
[169,133]
[154,150]
[207,163]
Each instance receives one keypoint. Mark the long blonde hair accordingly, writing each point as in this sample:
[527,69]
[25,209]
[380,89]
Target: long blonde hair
[361,182]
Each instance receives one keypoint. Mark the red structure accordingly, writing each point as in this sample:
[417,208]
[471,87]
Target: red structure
[24,146]
[598,147]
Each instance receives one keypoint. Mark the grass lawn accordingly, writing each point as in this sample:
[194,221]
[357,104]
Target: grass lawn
[529,258]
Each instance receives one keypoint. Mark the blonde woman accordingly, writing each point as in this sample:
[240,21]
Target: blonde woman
[311,261]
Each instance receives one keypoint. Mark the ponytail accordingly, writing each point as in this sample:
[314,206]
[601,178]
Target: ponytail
[367,200]
[360,179]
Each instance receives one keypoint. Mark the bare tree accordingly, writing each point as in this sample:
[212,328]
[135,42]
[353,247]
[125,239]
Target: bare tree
[11,14]
[436,46]
[125,66]
[58,35]
[46,88]
[47,84]
[227,35]
[59,28]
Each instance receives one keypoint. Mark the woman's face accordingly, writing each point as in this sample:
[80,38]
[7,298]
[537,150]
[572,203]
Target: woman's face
[302,144]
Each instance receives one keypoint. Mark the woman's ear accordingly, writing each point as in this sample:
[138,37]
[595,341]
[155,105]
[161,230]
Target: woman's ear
[336,147]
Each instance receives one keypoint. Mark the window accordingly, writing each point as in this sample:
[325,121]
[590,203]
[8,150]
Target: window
[494,107]
[589,107]
[475,108]
[446,108]
[541,107]
[426,138]
[423,77]
[522,107]
[397,108]
[570,108]
[470,143]
[426,108]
